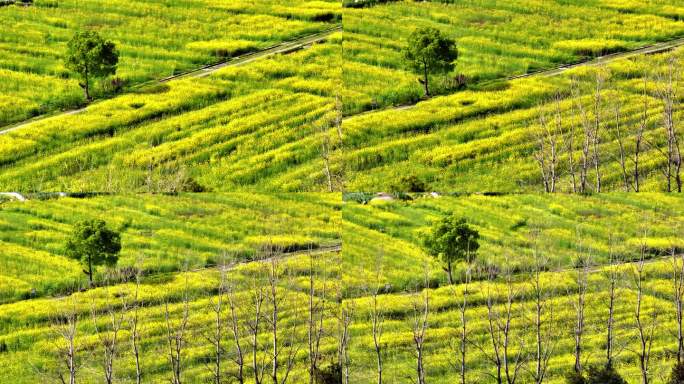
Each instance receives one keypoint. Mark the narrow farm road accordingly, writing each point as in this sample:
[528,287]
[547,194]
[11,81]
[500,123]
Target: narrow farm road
[282,48]
[14,195]
[600,60]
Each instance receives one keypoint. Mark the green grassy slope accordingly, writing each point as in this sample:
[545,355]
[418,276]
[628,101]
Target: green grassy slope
[155,38]
[496,39]
[159,233]
[30,338]
[258,126]
[487,139]
[383,239]
[389,233]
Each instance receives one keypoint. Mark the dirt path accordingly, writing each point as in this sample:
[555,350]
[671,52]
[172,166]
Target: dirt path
[282,48]
[14,195]
[646,50]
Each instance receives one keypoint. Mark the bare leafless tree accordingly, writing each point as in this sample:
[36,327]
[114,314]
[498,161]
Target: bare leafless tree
[65,327]
[569,146]
[108,336]
[619,137]
[582,283]
[677,262]
[276,297]
[257,298]
[317,312]
[645,327]
[545,155]
[614,277]
[667,93]
[419,325]
[543,320]
[132,316]
[326,154]
[587,134]
[176,334]
[377,317]
[463,336]
[215,336]
[500,316]
[596,132]
[347,314]
[639,139]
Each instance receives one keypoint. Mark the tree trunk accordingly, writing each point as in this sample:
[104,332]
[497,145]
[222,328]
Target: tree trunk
[86,86]
[426,80]
[449,273]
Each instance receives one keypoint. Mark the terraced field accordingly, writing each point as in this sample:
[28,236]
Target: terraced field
[270,125]
[159,233]
[32,331]
[382,248]
[496,39]
[390,233]
[155,38]
[489,139]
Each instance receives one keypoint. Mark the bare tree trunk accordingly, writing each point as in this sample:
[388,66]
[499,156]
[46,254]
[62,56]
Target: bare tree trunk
[645,331]
[613,279]
[176,336]
[65,328]
[316,317]
[493,329]
[236,330]
[420,323]
[569,139]
[132,317]
[622,159]
[587,134]
[543,319]
[257,300]
[596,137]
[216,338]
[581,281]
[678,297]
[377,320]
[639,138]
[347,318]
[463,336]
[108,338]
[512,364]
[275,299]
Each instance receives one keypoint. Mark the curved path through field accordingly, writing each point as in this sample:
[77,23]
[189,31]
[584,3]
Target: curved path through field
[282,48]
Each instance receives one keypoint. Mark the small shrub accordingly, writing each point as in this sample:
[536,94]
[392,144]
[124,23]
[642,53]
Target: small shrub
[677,374]
[604,375]
[575,378]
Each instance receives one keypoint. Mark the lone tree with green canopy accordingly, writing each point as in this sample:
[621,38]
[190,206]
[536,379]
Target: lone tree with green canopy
[92,243]
[89,55]
[452,240]
[428,52]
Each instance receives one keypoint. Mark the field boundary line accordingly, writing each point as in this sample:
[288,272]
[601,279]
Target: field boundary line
[649,49]
[284,47]
[328,248]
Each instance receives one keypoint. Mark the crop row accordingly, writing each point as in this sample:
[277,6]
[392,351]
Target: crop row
[258,126]
[155,38]
[488,139]
[159,233]
[495,39]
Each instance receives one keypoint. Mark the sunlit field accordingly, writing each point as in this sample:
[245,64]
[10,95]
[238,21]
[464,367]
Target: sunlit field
[269,125]
[489,139]
[384,256]
[495,38]
[155,38]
